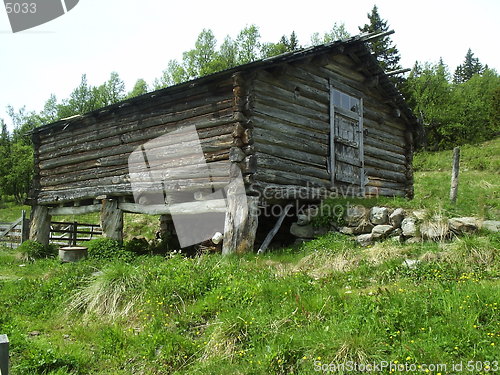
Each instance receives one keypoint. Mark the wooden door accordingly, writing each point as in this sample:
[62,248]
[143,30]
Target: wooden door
[346,139]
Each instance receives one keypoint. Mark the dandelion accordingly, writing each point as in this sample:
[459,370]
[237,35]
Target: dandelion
[408,358]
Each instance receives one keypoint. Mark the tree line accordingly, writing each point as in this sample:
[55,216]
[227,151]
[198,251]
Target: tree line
[453,109]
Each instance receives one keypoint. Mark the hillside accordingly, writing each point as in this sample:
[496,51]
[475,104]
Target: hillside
[300,310]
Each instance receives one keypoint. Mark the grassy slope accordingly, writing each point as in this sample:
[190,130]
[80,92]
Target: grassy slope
[284,313]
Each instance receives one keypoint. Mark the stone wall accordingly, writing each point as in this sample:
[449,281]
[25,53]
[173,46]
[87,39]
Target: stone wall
[377,223]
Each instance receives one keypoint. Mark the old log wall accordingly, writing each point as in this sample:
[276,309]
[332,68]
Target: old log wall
[291,117]
[86,157]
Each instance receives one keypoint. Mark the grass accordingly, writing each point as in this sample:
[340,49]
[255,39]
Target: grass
[325,302]
[292,311]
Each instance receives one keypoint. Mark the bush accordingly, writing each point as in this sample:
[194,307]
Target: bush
[108,249]
[138,246]
[31,250]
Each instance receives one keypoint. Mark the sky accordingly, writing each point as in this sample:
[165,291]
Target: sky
[136,39]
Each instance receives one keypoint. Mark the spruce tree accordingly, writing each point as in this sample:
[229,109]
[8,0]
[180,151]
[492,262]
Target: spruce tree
[470,67]
[386,52]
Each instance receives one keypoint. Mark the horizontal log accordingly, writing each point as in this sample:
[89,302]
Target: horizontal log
[271,162]
[120,161]
[290,154]
[285,127]
[178,100]
[282,177]
[293,97]
[383,154]
[120,188]
[383,133]
[385,174]
[382,144]
[208,145]
[284,140]
[300,121]
[379,182]
[81,210]
[291,85]
[187,208]
[171,169]
[154,126]
[268,100]
[377,163]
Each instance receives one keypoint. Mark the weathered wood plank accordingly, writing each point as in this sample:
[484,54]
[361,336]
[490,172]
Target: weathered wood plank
[276,164]
[289,154]
[287,141]
[299,120]
[284,127]
[187,208]
[81,210]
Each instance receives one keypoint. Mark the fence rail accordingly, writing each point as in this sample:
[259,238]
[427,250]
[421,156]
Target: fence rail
[72,234]
[61,233]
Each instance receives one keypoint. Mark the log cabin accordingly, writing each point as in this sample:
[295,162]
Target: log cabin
[324,117]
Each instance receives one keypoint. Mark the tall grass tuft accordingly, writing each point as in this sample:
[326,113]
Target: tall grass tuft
[111,293]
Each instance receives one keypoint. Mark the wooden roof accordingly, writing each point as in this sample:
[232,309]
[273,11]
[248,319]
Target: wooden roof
[356,47]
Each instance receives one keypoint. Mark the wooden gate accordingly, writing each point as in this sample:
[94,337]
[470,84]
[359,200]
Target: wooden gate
[13,234]
[346,162]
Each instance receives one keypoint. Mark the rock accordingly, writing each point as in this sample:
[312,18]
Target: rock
[461,225]
[409,227]
[355,215]
[396,218]
[347,230]
[305,216]
[411,263]
[491,225]
[303,219]
[364,227]
[365,239]
[435,231]
[302,231]
[379,215]
[34,333]
[381,231]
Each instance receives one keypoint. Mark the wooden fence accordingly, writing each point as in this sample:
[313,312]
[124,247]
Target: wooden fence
[61,233]
[13,234]
[72,234]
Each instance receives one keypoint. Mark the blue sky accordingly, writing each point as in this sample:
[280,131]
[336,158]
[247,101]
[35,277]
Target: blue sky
[138,38]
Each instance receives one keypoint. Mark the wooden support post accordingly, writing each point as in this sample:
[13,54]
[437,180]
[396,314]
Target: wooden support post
[40,224]
[454,175]
[112,220]
[241,221]
[4,355]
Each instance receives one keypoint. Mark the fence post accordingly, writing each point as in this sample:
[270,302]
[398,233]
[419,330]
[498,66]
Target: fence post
[454,175]
[74,234]
[25,227]
[4,355]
